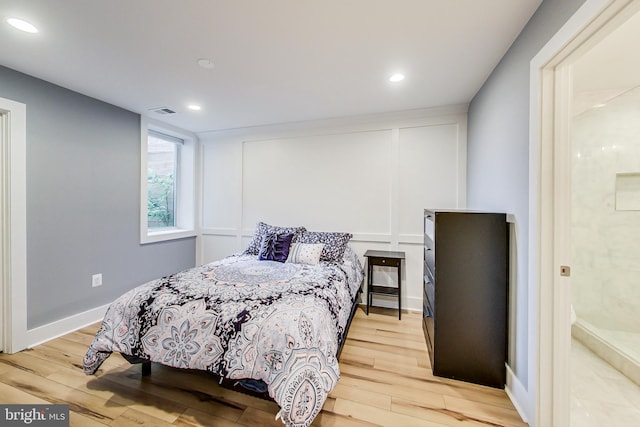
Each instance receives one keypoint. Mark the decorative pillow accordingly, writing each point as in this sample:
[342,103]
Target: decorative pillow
[334,243]
[275,247]
[262,229]
[305,253]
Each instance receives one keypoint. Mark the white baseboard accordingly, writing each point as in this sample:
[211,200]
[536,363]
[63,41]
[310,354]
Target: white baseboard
[518,395]
[56,329]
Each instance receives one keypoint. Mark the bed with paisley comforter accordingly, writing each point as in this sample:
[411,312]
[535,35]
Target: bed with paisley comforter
[248,321]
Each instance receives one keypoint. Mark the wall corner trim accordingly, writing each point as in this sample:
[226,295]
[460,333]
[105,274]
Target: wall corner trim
[13,229]
[518,395]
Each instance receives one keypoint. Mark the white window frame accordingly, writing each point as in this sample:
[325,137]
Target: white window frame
[185,184]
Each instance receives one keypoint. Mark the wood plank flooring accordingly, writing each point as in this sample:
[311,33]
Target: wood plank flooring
[385,381]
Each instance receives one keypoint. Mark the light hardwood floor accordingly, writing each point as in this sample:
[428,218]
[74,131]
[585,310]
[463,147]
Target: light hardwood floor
[385,380]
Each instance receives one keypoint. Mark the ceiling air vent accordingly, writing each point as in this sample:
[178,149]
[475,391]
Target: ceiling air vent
[162,110]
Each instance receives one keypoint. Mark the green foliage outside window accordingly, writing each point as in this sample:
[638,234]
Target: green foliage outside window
[160,202]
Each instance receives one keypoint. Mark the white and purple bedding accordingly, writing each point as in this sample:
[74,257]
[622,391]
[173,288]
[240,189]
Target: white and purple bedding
[242,318]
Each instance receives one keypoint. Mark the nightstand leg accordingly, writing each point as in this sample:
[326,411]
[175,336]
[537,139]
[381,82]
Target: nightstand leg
[400,291]
[369,281]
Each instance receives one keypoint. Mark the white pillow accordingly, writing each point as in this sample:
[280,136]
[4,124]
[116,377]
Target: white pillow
[305,253]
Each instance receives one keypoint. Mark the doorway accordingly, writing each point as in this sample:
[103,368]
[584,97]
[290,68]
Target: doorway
[558,67]
[605,230]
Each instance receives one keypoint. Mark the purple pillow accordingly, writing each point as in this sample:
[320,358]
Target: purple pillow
[275,247]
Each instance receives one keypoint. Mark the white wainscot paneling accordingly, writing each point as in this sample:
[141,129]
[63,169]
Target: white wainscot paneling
[412,291]
[215,247]
[245,240]
[337,182]
[428,176]
[372,179]
[221,185]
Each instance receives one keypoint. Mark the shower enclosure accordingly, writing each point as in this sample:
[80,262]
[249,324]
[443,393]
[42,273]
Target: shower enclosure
[605,276]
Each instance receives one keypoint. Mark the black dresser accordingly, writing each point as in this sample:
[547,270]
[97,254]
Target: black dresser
[465,294]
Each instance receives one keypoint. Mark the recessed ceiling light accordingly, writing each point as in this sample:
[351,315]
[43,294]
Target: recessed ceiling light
[396,78]
[194,107]
[22,25]
[599,105]
[205,63]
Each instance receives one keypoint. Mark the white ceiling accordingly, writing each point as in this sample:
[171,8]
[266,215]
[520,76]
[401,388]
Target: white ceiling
[276,61]
[608,69]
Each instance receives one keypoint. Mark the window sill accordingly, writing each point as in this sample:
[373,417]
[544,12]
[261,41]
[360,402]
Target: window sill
[164,235]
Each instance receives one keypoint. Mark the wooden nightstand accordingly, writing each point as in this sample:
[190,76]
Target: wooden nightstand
[384,259]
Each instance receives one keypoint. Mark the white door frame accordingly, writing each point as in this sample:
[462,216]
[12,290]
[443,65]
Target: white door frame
[550,201]
[13,226]
[3,238]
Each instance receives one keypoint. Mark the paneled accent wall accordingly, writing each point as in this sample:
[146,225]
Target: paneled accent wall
[371,176]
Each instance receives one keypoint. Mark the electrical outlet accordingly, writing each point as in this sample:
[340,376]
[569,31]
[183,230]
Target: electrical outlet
[96,280]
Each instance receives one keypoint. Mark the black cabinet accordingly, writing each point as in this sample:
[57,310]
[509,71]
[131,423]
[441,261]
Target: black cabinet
[465,295]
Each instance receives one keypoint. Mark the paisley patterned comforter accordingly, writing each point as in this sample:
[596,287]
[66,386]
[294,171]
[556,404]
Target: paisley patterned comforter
[241,318]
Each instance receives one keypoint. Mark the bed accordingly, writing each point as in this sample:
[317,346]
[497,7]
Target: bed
[270,323]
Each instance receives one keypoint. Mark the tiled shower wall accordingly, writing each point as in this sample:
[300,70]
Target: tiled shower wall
[606,240]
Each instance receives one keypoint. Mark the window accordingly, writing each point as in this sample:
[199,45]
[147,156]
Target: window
[166,182]
[163,152]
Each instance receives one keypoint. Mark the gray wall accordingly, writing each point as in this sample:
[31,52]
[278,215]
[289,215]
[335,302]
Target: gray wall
[83,203]
[498,151]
